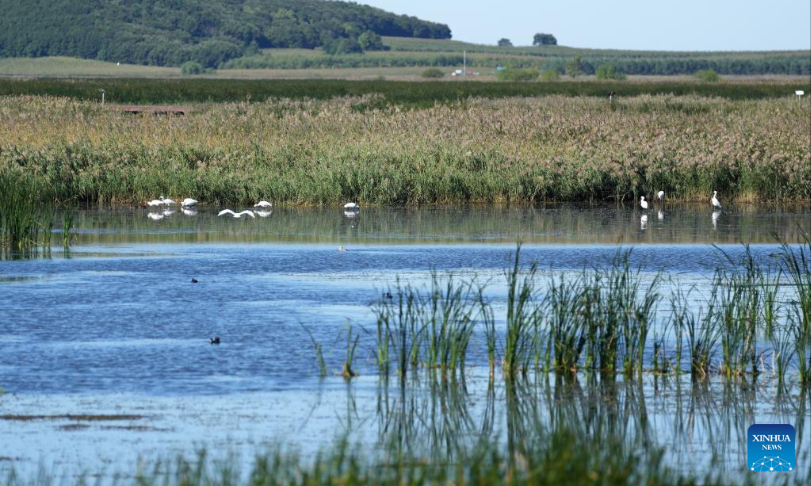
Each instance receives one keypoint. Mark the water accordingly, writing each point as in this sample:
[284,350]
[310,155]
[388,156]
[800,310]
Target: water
[116,328]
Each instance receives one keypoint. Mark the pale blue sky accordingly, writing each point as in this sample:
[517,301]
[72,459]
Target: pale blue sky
[694,25]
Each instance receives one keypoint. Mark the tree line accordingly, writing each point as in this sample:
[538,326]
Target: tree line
[210,32]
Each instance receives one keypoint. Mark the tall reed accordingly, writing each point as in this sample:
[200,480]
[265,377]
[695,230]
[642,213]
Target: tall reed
[523,316]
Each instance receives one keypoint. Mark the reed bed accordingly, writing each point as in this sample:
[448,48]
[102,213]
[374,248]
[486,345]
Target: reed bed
[26,224]
[753,321]
[309,152]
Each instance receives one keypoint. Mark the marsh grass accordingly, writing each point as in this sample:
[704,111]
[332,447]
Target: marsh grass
[468,150]
[796,264]
[607,320]
[26,222]
[428,327]
[319,352]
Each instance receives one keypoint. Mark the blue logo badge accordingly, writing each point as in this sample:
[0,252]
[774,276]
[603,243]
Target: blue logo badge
[771,447]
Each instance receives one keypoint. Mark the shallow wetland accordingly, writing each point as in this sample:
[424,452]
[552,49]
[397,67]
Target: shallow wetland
[105,357]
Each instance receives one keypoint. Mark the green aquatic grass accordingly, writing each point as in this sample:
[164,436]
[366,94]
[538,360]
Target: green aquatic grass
[27,219]
[600,320]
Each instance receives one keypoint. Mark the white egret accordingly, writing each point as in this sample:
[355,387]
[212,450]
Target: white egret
[168,202]
[715,202]
[660,195]
[236,215]
[351,207]
[188,202]
[263,204]
[643,202]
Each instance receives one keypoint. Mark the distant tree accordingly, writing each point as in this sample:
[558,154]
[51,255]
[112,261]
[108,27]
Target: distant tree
[504,42]
[544,40]
[707,76]
[608,71]
[369,41]
[342,45]
[192,67]
[432,73]
[573,66]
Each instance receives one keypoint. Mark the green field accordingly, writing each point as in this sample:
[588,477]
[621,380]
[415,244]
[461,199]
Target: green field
[449,53]
[68,66]
[408,57]
[385,93]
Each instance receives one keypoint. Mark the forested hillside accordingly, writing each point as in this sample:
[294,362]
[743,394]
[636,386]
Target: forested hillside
[170,32]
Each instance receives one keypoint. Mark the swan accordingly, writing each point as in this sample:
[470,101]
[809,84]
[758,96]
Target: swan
[168,202]
[715,202]
[351,207]
[188,202]
[154,202]
[236,215]
[660,195]
[263,204]
[643,202]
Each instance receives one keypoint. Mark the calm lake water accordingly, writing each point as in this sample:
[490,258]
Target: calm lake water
[105,358]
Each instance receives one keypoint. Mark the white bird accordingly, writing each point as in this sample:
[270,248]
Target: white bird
[263,214]
[236,215]
[341,248]
[168,202]
[660,195]
[154,202]
[643,202]
[351,207]
[188,202]
[715,202]
[155,216]
[263,204]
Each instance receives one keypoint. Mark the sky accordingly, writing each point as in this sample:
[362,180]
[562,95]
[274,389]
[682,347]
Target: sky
[685,25]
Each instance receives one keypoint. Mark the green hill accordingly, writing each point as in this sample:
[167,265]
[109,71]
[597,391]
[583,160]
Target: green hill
[171,32]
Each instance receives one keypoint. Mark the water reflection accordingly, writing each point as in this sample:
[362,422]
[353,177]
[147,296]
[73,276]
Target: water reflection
[701,426]
[554,224]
